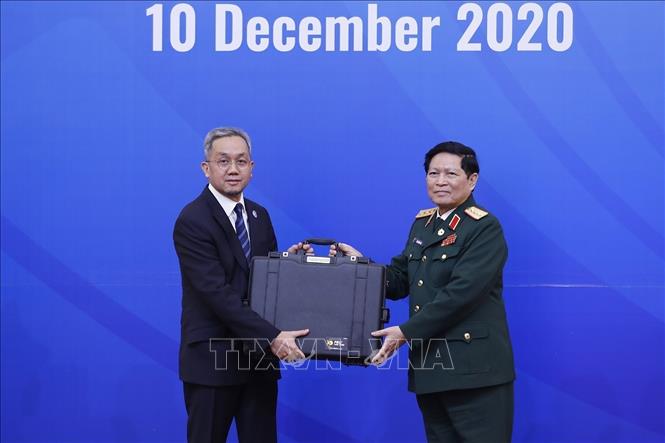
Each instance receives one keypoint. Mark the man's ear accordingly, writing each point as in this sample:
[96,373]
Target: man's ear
[205,167]
[473,179]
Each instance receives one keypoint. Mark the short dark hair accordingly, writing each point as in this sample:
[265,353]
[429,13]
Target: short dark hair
[469,159]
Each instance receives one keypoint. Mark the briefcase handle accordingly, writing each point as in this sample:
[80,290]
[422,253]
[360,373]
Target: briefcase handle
[320,241]
[323,242]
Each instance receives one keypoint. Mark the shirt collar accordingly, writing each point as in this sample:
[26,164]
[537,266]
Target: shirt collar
[445,215]
[226,203]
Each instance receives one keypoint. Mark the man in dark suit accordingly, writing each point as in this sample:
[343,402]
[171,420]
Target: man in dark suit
[461,359]
[215,237]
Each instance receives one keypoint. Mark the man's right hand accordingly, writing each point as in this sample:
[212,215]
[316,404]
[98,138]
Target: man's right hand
[306,248]
[284,346]
[346,250]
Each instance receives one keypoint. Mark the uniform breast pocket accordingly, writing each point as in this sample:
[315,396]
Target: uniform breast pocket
[441,264]
[415,255]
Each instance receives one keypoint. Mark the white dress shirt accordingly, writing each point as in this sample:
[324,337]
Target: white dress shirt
[229,205]
[444,216]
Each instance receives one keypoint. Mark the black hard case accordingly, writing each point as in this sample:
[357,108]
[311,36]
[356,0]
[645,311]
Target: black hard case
[340,299]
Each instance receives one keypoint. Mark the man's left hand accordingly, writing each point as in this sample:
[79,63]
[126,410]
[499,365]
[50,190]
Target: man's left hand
[393,338]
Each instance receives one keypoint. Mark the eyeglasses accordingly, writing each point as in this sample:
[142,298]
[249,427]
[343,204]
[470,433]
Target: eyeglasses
[224,164]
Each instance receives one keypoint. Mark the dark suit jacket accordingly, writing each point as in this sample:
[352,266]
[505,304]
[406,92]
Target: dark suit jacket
[457,316]
[215,276]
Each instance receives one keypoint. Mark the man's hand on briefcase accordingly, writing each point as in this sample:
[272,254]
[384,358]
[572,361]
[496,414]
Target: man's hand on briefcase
[284,346]
[306,247]
[393,338]
[346,250]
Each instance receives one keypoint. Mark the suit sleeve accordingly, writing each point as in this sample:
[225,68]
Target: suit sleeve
[477,271]
[203,272]
[273,247]
[397,273]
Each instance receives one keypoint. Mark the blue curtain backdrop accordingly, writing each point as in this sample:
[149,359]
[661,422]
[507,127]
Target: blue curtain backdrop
[101,141]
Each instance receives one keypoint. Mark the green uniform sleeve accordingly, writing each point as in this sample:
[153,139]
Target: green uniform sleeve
[474,276]
[397,278]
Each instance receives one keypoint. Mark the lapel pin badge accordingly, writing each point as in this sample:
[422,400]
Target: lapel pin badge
[255,214]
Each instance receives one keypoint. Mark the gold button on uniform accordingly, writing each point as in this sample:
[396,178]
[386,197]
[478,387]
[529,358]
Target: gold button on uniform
[467,337]
[440,232]
[416,308]
[444,256]
[420,282]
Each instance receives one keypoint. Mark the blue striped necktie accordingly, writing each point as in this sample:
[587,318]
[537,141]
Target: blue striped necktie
[241,231]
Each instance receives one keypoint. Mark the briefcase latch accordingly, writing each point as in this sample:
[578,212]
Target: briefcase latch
[385,315]
[361,260]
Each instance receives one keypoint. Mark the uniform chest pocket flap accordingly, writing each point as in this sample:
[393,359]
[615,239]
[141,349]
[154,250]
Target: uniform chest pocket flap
[414,254]
[443,253]
[441,260]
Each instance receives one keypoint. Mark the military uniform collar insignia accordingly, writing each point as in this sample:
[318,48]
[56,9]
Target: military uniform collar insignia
[454,221]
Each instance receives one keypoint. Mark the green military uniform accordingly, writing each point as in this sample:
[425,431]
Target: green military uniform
[457,327]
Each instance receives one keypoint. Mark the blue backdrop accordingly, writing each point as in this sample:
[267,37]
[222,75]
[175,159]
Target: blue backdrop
[101,144]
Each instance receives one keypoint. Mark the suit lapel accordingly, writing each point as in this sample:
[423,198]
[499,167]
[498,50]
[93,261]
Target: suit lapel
[223,220]
[430,235]
[254,225]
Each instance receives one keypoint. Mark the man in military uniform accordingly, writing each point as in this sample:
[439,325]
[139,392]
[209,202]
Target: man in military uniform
[461,360]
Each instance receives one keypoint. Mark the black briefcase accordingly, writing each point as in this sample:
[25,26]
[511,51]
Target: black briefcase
[340,299]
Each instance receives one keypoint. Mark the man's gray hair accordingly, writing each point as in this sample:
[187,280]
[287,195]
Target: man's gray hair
[216,133]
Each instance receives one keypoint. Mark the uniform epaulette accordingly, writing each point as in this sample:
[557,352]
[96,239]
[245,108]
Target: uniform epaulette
[425,212]
[475,213]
